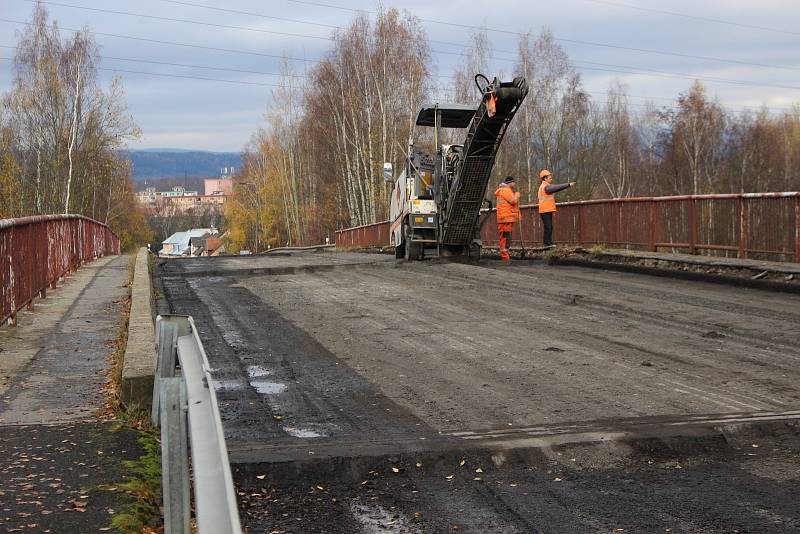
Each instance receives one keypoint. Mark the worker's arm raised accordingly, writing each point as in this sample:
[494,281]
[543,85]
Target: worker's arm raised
[555,188]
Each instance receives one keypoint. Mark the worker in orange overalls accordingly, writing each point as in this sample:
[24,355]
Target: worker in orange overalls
[507,213]
[547,203]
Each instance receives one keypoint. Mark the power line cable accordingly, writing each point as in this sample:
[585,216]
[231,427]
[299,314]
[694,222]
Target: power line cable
[562,39]
[602,66]
[694,17]
[185,21]
[165,75]
[738,109]
[668,74]
[174,43]
[166,63]
[206,67]
[644,70]
[251,14]
[574,41]
[440,52]
[630,70]
[438,90]
[298,21]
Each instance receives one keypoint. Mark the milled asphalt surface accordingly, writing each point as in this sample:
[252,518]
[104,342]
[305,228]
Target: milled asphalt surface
[331,369]
[60,461]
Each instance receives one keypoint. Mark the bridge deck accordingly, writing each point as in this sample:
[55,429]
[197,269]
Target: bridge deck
[355,356]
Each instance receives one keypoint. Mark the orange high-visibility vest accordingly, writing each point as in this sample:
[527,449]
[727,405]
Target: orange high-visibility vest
[547,203]
[507,205]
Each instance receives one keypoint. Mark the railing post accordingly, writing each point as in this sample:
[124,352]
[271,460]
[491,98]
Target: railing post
[797,228]
[174,456]
[742,226]
[692,226]
[651,245]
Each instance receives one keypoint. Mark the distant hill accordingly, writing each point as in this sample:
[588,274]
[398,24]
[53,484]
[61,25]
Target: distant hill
[175,163]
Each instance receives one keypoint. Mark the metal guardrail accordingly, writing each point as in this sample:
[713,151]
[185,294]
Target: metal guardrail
[368,235]
[297,249]
[35,252]
[755,224]
[186,404]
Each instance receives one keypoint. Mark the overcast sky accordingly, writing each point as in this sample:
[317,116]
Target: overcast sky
[755,43]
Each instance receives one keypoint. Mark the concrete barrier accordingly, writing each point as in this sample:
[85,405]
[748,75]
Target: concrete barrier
[138,369]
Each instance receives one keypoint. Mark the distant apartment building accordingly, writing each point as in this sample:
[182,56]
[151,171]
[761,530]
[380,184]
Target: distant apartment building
[178,199]
[216,192]
[218,186]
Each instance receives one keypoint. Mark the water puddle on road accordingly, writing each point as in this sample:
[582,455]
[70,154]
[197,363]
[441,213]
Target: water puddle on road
[375,518]
[301,432]
[268,388]
[257,371]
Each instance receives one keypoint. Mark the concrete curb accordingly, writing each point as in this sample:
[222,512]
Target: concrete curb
[138,369]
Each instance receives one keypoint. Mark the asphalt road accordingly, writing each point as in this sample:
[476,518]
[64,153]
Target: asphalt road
[589,400]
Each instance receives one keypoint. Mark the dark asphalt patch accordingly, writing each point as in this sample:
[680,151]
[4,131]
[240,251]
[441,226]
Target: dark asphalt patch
[63,479]
[276,382]
[740,483]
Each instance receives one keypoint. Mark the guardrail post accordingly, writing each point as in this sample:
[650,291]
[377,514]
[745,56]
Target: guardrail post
[651,245]
[166,354]
[692,226]
[174,456]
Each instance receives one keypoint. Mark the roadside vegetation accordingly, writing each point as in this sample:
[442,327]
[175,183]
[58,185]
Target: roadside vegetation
[61,131]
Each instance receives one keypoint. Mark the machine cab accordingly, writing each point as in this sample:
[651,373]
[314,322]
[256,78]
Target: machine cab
[413,210]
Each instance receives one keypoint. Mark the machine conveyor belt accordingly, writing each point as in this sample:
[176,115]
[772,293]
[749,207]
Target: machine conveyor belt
[480,149]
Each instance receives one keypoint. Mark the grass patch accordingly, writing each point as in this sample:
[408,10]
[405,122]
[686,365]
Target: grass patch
[596,250]
[552,256]
[141,513]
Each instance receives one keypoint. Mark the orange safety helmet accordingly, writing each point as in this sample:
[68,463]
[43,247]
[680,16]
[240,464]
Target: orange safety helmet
[544,174]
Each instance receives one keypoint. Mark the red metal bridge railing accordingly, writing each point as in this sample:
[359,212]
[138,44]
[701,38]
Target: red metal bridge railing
[36,251]
[764,225]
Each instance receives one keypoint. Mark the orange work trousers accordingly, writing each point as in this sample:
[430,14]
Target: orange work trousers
[504,230]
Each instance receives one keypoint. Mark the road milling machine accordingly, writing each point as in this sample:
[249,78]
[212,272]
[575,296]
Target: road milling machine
[436,200]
